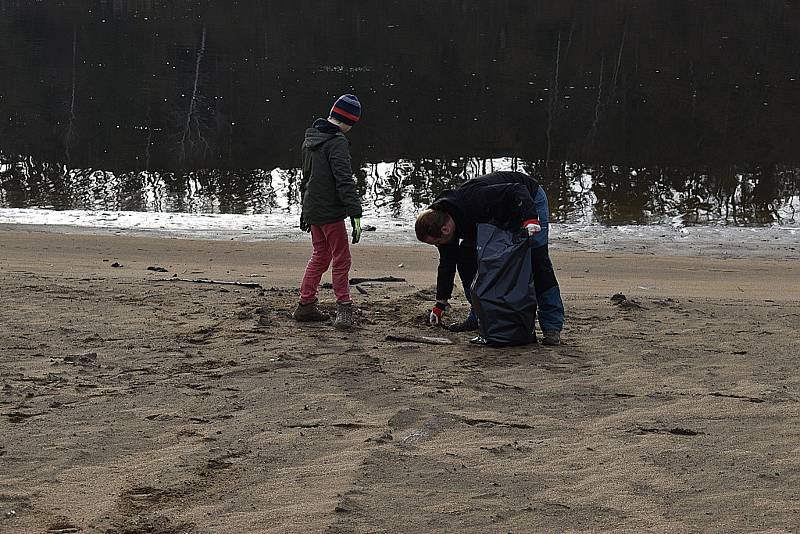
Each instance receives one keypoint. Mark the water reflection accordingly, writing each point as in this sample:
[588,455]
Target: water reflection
[579,193]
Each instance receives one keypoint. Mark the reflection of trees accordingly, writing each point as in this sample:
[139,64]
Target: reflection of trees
[416,180]
[232,191]
[610,194]
[436,175]
[291,177]
[420,180]
[763,190]
[396,183]
[788,188]
[26,182]
[131,192]
[727,194]
[262,196]
[223,191]
[175,192]
[736,194]
[623,195]
[563,183]
[13,183]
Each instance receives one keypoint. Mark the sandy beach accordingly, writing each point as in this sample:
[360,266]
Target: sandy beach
[136,403]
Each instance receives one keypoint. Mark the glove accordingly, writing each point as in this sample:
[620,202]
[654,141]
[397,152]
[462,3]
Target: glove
[437,313]
[532,226]
[356,223]
[304,226]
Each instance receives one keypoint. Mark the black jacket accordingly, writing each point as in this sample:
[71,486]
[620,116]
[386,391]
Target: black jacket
[327,186]
[504,199]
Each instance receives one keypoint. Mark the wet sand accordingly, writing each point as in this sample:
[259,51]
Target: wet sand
[131,403]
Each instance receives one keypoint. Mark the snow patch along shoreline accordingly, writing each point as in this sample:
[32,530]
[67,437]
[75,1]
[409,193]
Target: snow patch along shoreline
[768,242]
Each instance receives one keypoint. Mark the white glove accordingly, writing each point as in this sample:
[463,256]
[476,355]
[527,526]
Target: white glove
[438,312]
[532,226]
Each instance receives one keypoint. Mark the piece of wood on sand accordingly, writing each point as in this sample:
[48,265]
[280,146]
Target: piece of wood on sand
[356,281]
[251,285]
[419,339]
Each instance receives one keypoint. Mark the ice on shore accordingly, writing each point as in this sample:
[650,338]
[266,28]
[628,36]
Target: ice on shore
[778,242]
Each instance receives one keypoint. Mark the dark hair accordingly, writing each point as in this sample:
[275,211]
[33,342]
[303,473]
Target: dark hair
[429,223]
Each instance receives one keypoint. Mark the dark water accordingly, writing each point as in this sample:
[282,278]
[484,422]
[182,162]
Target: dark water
[627,111]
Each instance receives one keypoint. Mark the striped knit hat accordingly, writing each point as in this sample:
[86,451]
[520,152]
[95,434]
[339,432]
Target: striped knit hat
[346,109]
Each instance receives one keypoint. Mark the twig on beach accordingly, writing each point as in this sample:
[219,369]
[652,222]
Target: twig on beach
[356,281]
[419,339]
[251,285]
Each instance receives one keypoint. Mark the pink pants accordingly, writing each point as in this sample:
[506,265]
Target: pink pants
[331,243]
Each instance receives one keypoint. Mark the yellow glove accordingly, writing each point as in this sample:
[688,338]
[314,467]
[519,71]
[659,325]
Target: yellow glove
[356,223]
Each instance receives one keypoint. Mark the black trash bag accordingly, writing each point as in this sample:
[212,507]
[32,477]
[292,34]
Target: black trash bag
[503,293]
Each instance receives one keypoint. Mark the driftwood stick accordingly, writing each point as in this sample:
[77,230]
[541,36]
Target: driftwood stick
[356,281]
[419,339]
[251,285]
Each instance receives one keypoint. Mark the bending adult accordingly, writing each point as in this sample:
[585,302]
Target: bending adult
[508,200]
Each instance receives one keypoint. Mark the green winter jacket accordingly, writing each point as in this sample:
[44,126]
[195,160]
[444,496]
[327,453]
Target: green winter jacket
[327,186]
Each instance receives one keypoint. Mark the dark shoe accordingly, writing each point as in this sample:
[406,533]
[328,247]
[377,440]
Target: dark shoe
[344,315]
[308,313]
[469,325]
[551,337]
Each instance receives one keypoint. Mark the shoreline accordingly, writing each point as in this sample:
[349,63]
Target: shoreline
[724,242]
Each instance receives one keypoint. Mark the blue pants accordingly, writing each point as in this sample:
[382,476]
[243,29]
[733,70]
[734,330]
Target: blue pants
[550,307]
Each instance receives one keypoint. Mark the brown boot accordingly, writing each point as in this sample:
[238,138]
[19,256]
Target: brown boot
[308,312]
[344,315]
